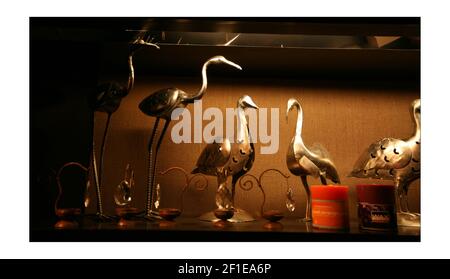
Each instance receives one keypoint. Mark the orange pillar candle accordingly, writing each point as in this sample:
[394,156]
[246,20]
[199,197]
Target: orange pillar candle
[330,207]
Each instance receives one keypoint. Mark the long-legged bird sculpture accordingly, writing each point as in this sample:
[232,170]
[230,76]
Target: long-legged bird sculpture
[161,104]
[303,161]
[225,159]
[107,99]
[397,160]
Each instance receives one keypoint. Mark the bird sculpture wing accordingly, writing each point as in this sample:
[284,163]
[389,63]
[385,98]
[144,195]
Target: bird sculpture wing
[213,157]
[160,102]
[319,150]
[382,158]
[309,166]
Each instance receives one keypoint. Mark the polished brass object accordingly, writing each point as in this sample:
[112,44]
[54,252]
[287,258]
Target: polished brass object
[161,104]
[223,159]
[224,213]
[169,214]
[303,161]
[107,99]
[397,160]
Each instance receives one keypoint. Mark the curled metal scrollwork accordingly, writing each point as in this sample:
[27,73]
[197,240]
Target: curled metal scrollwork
[248,184]
[262,190]
[198,185]
[58,179]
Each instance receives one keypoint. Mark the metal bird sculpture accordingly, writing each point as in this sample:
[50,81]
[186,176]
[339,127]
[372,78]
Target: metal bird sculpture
[161,104]
[303,161]
[107,99]
[397,160]
[224,159]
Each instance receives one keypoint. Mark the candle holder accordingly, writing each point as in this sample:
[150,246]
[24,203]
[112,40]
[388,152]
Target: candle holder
[170,214]
[123,198]
[273,216]
[68,215]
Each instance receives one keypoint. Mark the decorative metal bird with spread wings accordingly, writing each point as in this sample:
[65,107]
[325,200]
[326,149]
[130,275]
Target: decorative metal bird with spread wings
[397,160]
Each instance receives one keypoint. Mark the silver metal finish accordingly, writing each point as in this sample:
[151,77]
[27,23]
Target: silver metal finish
[225,159]
[161,104]
[397,160]
[107,99]
[303,161]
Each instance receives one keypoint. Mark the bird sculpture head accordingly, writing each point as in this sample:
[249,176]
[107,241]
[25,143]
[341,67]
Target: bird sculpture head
[247,102]
[415,105]
[290,105]
[139,43]
[220,59]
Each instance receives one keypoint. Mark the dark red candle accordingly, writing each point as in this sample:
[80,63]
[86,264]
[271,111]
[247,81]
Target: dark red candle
[376,207]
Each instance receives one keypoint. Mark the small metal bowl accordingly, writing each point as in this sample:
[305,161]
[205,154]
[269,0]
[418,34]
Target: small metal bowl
[273,215]
[224,213]
[67,217]
[169,214]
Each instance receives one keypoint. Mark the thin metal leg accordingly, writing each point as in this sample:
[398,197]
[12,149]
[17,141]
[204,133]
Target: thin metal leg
[154,166]
[399,197]
[150,167]
[308,199]
[233,188]
[103,147]
[323,180]
[97,179]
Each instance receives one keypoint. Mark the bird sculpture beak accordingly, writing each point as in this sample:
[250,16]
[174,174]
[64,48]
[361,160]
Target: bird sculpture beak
[290,104]
[142,42]
[232,64]
[251,104]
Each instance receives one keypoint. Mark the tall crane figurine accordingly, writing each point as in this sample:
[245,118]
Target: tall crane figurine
[225,159]
[161,104]
[397,160]
[107,99]
[303,161]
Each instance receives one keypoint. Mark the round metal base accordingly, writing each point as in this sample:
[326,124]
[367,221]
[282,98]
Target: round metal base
[239,216]
[405,219]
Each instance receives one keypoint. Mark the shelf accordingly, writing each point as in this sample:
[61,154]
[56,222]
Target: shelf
[191,229]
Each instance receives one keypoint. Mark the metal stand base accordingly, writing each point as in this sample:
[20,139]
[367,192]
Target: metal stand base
[239,216]
[405,219]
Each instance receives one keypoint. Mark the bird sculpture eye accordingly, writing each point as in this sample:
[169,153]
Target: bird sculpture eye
[395,151]
[242,152]
[382,147]
[373,156]
[386,159]
[235,160]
